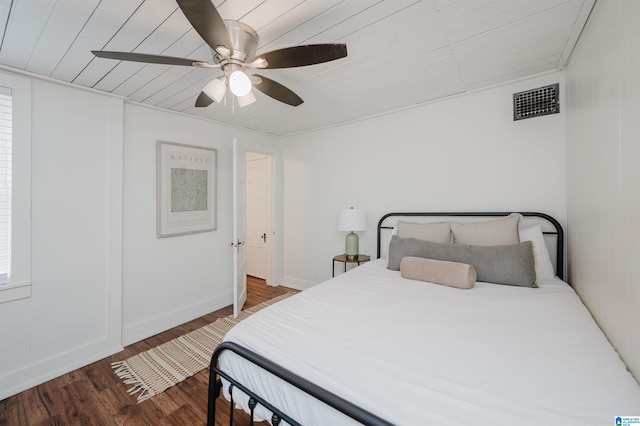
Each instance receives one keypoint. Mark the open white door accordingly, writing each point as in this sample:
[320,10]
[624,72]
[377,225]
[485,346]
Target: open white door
[239,231]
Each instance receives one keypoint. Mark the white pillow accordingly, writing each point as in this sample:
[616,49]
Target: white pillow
[544,267]
[394,231]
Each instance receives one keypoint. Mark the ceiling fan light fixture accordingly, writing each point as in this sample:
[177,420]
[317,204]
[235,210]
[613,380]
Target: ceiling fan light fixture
[239,83]
[215,89]
[247,99]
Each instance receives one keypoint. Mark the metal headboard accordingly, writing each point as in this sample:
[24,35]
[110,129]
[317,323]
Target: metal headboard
[557,232]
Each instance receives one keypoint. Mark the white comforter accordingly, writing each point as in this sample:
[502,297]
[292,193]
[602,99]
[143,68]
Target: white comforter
[417,353]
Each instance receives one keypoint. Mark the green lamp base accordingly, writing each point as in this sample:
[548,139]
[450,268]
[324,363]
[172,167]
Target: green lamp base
[351,245]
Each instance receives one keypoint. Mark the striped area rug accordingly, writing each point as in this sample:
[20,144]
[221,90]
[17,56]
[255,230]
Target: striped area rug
[157,369]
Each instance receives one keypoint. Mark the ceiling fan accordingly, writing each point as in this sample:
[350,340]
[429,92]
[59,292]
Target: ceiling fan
[233,45]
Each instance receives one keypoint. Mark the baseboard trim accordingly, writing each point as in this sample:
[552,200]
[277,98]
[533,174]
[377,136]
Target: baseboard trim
[43,371]
[297,283]
[141,330]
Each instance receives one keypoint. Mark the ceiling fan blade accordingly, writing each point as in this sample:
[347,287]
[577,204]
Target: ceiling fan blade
[203,100]
[277,91]
[299,56]
[207,22]
[143,57]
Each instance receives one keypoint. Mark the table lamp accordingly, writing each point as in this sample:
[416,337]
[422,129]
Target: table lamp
[351,220]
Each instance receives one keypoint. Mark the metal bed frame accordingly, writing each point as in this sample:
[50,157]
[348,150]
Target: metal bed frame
[321,394]
[349,409]
[557,232]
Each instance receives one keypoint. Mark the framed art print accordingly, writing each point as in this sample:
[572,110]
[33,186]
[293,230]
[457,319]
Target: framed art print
[186,189]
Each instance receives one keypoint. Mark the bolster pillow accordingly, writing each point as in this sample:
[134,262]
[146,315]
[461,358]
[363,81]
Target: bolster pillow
[452,274]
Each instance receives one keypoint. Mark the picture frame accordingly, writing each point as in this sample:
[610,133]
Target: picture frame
[186,190]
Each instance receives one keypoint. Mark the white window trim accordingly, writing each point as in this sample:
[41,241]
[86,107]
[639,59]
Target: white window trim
[19,286]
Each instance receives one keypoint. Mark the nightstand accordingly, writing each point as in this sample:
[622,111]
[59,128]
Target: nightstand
[361,258]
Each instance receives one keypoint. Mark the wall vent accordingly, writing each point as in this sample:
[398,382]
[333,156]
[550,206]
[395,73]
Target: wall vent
[536,102]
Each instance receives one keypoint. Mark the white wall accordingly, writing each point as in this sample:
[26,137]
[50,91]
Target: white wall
[100,277]
[169,281]
[73,315]
[462,153]
[603,97]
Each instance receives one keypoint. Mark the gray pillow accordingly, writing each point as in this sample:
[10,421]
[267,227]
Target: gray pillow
[508,264]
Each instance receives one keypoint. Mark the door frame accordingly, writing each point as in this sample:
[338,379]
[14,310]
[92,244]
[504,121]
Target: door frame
[274,277]
[269,242]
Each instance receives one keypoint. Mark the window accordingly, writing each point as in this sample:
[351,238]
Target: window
[5,184]
[15,187]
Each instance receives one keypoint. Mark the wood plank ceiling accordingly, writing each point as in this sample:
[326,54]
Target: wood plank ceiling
[400,52]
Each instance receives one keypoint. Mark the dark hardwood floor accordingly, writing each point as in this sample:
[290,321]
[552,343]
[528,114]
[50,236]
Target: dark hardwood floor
[93,395]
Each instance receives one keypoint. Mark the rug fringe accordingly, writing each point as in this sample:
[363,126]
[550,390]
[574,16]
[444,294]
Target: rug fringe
[153,371]
[129,377]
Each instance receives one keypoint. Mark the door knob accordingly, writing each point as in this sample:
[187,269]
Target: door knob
[264,237]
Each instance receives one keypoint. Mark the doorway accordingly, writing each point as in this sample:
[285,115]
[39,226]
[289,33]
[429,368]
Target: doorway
[259,210]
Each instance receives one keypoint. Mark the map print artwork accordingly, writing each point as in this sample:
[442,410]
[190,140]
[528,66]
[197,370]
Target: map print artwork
[188,190]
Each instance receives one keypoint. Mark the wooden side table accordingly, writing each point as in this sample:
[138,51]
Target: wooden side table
[361,258]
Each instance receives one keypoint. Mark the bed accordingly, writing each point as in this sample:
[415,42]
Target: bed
[372,347]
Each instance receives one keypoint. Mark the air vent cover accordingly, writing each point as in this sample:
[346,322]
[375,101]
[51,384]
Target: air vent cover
[536,102]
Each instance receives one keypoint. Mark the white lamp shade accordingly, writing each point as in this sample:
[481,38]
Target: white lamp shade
[239,83]
[352,220]
[215,89]
[247,99]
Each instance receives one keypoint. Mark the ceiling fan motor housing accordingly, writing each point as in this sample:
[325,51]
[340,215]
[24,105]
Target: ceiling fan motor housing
[244,40]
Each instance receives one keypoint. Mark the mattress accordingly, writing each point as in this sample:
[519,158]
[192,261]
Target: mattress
[413,352]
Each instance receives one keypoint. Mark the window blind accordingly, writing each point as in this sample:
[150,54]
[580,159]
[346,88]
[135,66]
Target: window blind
[5,183]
